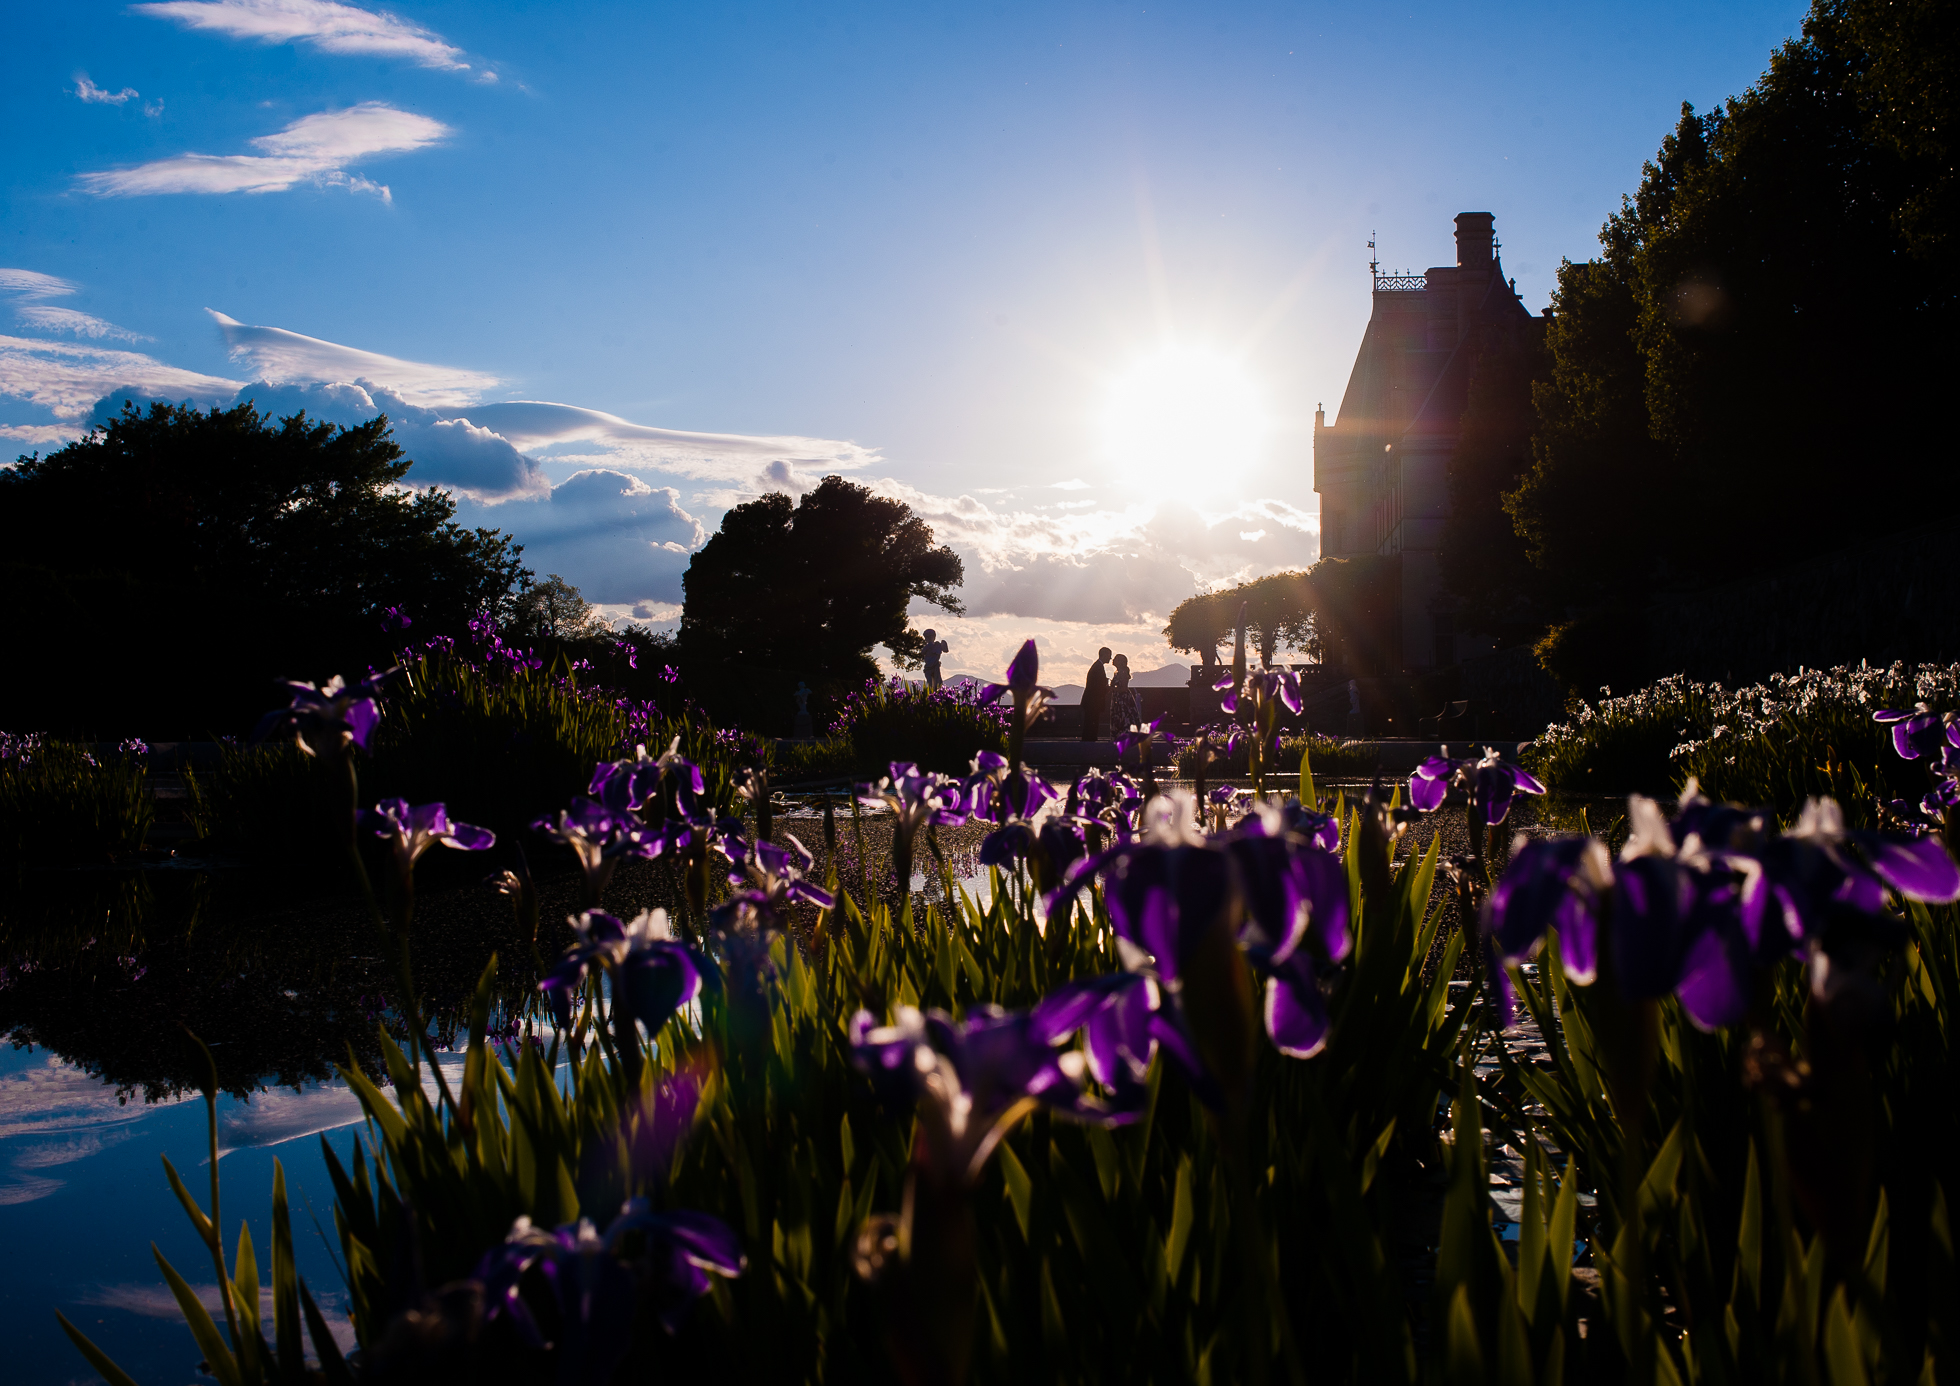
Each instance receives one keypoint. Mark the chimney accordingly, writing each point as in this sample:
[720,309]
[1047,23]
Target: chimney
[1473,237]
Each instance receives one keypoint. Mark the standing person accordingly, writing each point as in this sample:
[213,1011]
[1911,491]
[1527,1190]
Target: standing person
[1095,697]
[1121,700]
[935,647]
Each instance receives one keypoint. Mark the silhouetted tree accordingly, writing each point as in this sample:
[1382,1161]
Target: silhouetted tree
[163,570]
[555,610]
[1278,615]
[1772,314]
[1200,624]
[805,591]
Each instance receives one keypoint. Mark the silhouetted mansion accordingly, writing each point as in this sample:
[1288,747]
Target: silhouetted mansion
[1383,467]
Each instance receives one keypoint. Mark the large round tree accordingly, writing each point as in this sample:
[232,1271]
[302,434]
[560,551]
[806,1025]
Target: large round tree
[805,591]
[163,570]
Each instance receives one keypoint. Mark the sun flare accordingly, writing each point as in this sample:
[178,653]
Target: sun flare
[1184,420]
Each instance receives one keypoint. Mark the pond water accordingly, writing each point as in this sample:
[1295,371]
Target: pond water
[104,973]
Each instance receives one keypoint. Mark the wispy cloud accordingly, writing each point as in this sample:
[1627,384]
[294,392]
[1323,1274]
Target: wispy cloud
[30,288]
[90,92]
[725,457]
[314,149]
[67,378]
[330,27]
[44,435]
[284,357]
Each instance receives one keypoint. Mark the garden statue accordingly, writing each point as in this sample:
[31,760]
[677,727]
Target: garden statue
[934,648]
[1356,724]
[805,729]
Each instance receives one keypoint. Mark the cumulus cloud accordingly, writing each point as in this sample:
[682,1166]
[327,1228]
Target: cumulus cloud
[283,357]
[90,92]
[330,27]
[68,378]
[447,452]
[615,538]
[314,149]
[30,288]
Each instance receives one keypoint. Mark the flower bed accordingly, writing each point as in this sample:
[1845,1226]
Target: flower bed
[1166,1108]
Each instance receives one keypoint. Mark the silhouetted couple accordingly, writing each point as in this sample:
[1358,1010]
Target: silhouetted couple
[1101,695]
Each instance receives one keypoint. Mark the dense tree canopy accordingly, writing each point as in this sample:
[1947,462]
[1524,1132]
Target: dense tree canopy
[805,591]
[553,609]
[163,570]
[1279,614]
[1753,367]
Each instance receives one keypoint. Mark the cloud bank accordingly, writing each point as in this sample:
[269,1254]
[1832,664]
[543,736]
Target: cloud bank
[1073,572]
[615,538]
[448,452]
[330,27]
[314,149]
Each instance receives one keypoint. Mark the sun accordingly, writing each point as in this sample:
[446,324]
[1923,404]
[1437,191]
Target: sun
[1184,421]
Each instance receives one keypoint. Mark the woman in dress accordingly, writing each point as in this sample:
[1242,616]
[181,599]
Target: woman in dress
[1122,702]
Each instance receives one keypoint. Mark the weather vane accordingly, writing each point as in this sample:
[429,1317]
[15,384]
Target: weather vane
[1374,260]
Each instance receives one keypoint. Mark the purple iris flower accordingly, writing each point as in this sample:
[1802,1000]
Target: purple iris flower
[1809,871]
[670,674]
[1939,800]
[413,830]
[1262,689]
[1702,903]
[627,648]
[776,877]
[917,798]
[333,714]
[595,1286]
[1129,740]
[601,836]
[1919,731]
[653,976]
[1022,679]
[1167,889]
[395,620]
[1491,783]
[1552,882]
[627,784]
[1297,909]
[1100,800]
[973,1080]
[977,790]
[1121,1019]
[1007,845]
[1323,830]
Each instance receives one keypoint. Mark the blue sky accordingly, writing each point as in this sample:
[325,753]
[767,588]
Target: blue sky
[927,246]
